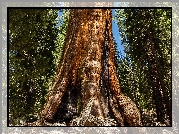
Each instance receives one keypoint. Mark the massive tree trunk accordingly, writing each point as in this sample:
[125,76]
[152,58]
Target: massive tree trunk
[86,90]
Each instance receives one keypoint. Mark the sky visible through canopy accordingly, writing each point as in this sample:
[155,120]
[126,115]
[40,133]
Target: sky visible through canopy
[117,36]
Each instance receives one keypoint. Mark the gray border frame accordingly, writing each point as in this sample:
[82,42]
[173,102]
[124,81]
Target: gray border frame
[92,130]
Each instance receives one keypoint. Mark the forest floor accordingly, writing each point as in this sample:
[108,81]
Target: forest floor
[148,119]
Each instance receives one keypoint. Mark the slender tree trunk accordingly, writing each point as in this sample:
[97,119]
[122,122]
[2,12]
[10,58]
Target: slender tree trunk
[86,86]
[161,98]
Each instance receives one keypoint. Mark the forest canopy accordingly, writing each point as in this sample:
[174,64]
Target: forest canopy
[36,42]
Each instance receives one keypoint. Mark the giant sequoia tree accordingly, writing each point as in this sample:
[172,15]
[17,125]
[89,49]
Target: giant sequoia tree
[86,91]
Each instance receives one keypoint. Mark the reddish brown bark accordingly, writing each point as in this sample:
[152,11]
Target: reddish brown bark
[87,69]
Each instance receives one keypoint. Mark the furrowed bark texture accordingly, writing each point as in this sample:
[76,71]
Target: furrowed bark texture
[87,73]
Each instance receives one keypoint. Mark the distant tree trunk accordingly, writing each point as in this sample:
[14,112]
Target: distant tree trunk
[86,78]
[161,98]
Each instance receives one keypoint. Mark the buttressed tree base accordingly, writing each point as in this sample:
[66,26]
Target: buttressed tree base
[86,91]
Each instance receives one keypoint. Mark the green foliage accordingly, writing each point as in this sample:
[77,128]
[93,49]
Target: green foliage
[63,24]
[33,53]
[133,70]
